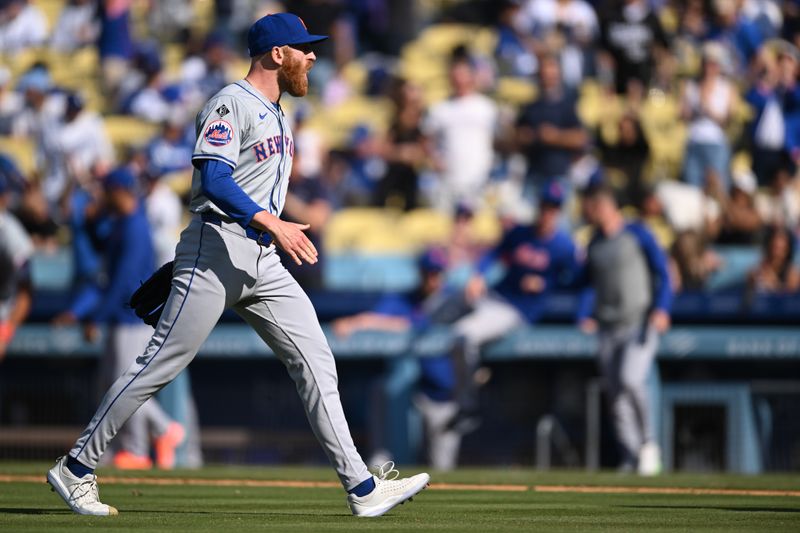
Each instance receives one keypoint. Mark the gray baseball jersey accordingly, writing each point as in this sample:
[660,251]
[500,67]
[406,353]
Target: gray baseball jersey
[217,266]
[240,127]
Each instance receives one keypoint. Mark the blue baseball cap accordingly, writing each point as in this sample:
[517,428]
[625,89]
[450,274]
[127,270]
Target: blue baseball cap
[278,29]
[432,260]
[552,194]
[120,178]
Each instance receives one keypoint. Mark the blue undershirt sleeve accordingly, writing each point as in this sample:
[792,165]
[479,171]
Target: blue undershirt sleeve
[216,184]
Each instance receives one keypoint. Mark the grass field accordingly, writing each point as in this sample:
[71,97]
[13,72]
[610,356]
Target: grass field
[253,499]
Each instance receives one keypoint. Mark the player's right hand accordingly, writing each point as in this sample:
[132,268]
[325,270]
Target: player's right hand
[288,236]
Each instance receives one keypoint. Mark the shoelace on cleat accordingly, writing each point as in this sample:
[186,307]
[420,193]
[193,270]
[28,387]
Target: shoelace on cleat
[85,488]
[387,469]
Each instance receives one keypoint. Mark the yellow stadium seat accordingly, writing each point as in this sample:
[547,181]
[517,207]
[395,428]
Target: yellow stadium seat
[125,131]
[346,228]
[22,151]
[22,61]
[442,38]
[51,9]
[486,227]
[335,123]
[741,161]
[384,240]
[515,91]
[355,74]
[180,182]
[173,55]
[423,227]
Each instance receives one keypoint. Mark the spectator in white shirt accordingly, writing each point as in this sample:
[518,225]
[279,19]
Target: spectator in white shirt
[22,26]
[708,104]
[462,129]
[164,212]
[83,141]
[77,26]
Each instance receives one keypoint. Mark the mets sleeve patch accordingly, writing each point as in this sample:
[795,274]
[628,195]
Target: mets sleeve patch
[218,133]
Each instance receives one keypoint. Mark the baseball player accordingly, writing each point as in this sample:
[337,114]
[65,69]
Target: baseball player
[627,284]
[226,258]
[538,258]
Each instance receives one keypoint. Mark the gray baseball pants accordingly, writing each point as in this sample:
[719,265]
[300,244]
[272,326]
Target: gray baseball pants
[625,356]
[218,267]
[443,443]
[491,318]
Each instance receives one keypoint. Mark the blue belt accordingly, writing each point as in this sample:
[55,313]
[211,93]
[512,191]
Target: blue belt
[261,237]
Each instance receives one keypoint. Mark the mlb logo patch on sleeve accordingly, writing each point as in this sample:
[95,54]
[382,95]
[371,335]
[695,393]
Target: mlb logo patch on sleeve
[218,133]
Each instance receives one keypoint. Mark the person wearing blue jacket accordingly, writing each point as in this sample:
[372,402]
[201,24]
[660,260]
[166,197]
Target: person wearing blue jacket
[537,258]
[626,300]
[129,259]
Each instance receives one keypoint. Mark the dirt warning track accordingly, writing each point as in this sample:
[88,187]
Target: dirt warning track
[576,489]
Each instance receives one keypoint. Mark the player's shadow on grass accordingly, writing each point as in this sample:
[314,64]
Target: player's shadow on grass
[742,508]
[32,511]
[39,511]
[236,513]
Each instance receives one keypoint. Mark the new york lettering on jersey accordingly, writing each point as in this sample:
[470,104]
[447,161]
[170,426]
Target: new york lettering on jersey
[272,146]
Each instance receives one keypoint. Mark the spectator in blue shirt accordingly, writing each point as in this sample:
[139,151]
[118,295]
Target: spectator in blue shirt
[549,133]
[114,43]
[775,99]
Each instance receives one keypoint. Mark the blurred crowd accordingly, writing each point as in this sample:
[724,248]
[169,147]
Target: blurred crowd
[689,109]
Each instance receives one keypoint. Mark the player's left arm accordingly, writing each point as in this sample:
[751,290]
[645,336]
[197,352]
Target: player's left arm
[659,272]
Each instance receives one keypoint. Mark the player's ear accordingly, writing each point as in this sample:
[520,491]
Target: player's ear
[277,54]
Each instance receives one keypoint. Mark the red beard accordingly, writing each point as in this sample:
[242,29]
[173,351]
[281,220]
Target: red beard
[292,76]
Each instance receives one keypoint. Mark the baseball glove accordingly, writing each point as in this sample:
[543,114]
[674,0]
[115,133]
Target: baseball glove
[149,299]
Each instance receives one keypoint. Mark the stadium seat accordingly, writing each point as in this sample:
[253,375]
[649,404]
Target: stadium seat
[336,123]
[345,227]
[737,261]
[387,273]
[424,227]
[125,131]
[22,151]
[515,91]
[51,10]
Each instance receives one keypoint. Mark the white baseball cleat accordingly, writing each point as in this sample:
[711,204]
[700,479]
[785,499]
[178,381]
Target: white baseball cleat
[388,493]
[80,493]
[650,459]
